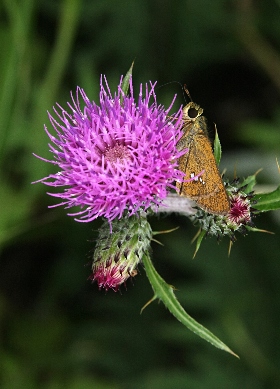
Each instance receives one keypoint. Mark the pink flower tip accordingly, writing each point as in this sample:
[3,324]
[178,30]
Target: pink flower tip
[111,275]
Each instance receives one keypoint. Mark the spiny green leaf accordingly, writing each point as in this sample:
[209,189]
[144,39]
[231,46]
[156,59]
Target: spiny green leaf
[126,79]
[250,183]
[199,239]
[217,147]
[165,293]
[268,201]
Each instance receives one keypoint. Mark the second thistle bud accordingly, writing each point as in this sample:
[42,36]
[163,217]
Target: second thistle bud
[238,218]
[119,249]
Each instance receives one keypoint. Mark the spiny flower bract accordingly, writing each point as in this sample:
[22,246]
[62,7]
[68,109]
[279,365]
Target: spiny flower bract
[238,218]
[118,253]
[113,157]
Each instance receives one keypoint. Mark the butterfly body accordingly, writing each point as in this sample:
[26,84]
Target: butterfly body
[207,188]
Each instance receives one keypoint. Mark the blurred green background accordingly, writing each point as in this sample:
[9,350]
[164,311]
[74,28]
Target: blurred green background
[57,330]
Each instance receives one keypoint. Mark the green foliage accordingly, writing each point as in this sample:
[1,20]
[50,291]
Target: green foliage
[249,183]
[165,293]
[126,79]
[217,148]
[268,201]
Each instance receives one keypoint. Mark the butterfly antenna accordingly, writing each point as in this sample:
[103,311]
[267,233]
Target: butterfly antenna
[187,92]
[170,82]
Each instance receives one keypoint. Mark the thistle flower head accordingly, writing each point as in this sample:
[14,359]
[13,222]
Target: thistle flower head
[118,252]
[115,157]
[238,218]
[240,209]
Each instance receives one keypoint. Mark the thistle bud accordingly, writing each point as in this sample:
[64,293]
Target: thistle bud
[119,249]
[238,218]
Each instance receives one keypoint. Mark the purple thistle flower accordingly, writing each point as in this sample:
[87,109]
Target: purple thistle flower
[116,156]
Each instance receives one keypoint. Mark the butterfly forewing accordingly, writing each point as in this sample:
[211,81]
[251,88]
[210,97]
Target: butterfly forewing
[206,187]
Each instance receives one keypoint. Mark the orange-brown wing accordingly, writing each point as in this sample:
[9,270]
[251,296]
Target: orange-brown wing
[207,190]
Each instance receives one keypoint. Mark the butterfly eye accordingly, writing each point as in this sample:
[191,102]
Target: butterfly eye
[193,113]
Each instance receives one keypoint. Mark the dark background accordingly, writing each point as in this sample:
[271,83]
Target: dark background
[57,329]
